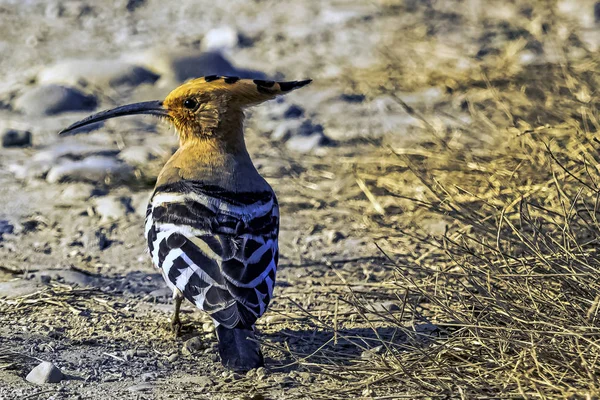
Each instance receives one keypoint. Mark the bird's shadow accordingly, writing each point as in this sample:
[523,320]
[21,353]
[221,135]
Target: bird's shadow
[309,348]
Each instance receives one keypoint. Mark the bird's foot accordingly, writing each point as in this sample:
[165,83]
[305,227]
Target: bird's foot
[176,326]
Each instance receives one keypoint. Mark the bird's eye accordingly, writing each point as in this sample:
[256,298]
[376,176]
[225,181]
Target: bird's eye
[190,104]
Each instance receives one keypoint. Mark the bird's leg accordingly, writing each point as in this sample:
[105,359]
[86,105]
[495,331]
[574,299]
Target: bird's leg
[175,321]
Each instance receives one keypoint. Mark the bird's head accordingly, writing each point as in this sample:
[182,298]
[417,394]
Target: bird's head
[200,107]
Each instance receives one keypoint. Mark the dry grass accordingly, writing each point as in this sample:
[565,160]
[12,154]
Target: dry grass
[505,303]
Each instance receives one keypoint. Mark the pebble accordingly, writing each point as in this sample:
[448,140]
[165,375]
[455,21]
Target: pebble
[136,155]
[220,38]
[93,169]
[147,377]
[387,306]
[180,66]
[72,149]
[173,357]
[372,353]
[65,276]
[192,345]
[6,227]
[112,207]
[285,129]
[128,355]
[54,99]
[16,138]
[142,387]
[78,191]
[293,111]
[306,144]
[45,372]
[102,73]
[17,288]
[300,135]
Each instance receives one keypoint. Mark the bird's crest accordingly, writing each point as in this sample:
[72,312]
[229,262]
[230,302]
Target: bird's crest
[200,105]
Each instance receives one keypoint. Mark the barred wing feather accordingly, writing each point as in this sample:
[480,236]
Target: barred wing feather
[218,248]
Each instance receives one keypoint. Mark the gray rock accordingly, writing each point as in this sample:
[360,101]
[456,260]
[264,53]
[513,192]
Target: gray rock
[293,111]
[183,65]
[102,73]
[77,192]
[142,387]
[221,38]
[137,155]
[192,345]
[285,129]
[54,99]
[17,288]
[386,307]
[371,354]
[6,227]
[45,372]
[112,207]
[16,138]
[209,63]
[66,276]
[72,149]
[91,169]
[149,376]
[306,144]
[306,138]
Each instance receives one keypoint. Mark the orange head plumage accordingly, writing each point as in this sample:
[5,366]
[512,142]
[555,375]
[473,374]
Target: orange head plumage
[204,107]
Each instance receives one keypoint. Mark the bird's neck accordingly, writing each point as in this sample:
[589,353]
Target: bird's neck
[219,159]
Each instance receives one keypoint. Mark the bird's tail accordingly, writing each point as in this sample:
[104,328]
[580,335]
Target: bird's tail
[238,349]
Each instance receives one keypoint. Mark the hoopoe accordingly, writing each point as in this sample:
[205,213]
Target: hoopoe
[212,223]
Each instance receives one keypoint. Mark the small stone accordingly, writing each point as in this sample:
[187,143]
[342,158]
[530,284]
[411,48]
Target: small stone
[112,207]
[353,98]
[147,377]
[333,236]
[128,355]
[221,38]
[142,387]
[202,382]
[173,357]
[45,372]
[372,353]
[285,129]
[6,227]
[180,66]
[16,138]
[93,169]
[54,99]
[387,306]
[191,346]
[113,73]
[17,288]
[305,144]
[136,155]
[77,192]
[293,111]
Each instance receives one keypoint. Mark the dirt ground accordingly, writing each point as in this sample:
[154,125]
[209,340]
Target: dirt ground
[391,79]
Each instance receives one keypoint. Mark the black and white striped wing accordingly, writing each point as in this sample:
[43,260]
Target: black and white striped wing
[218,248]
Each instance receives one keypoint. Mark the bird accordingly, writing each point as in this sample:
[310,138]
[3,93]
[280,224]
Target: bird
[212,222]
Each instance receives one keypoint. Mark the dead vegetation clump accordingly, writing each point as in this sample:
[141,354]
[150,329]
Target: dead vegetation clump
[505,302]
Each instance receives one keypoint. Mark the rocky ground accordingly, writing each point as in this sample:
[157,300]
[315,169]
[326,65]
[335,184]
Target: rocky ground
[77,288]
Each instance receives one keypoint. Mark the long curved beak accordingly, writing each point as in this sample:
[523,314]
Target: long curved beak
[148,107]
